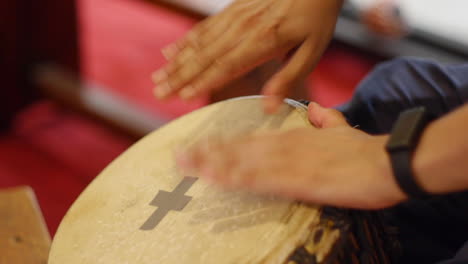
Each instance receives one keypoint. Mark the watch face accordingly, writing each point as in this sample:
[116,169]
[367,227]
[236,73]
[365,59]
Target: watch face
[407,129]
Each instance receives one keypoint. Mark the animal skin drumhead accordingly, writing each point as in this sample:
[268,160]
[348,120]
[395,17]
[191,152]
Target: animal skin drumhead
[141,209]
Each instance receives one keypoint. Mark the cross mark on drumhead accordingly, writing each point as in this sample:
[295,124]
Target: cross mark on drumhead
[167,201]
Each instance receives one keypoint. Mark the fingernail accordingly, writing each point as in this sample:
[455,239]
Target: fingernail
[169,51]
[187,92]
[163,90]
[159,76]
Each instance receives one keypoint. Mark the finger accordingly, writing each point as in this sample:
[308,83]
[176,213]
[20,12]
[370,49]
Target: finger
[213,27]
[188,65]
[200,36]
[253,163]
[325,117]
[191,62]
[299,66]
[198,30]
[231,164]
[225,27]
[212,160]
[243,57]
[183,55]
[204,32]
[190,160]
[221,162]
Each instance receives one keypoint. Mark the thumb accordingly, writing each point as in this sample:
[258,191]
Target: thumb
[322,117]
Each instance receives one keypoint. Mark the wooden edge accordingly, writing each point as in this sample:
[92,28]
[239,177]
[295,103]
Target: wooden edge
[24,234]
[35,204]
[29,192]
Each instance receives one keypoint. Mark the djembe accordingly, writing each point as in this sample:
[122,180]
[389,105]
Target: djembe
[140,209]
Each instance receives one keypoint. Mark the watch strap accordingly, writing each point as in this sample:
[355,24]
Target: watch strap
[401,164]
[401,146]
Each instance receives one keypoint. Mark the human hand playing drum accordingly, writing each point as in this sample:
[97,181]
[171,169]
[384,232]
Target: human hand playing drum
[335,164]
[243,36]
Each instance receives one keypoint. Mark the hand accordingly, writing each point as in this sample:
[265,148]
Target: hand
[244,35]
[384,18]
[333,164]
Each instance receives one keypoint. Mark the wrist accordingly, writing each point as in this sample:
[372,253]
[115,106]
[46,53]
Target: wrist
[393,191]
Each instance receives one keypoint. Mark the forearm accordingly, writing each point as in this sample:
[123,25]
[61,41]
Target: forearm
[441,159]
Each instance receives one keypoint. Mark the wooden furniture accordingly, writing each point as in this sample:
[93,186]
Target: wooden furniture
[24,238]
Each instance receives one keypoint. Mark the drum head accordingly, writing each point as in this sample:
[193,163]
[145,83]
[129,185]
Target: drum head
[140,209]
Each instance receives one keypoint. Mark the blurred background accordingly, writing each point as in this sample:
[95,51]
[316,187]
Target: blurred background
[76,89]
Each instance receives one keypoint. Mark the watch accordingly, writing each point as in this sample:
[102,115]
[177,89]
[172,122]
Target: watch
[403,141]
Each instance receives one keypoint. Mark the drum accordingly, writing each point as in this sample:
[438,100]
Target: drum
[141,209]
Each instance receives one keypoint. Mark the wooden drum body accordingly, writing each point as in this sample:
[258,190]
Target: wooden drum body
[140,209]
